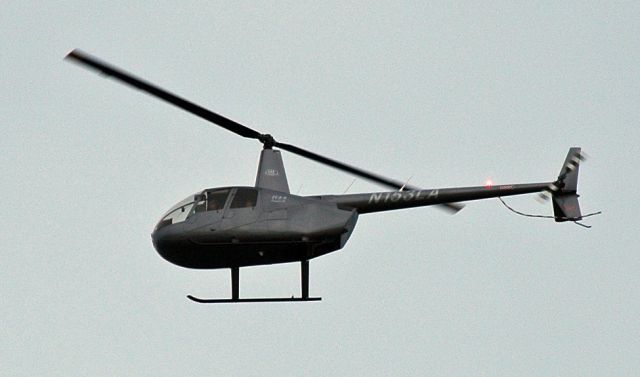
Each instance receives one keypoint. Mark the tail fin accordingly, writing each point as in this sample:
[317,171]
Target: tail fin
[564,191]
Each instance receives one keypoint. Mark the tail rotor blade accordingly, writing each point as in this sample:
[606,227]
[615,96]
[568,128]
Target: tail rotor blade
[572,163]
[542,197]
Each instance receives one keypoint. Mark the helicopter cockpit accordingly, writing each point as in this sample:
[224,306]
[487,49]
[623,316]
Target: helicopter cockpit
[209,200]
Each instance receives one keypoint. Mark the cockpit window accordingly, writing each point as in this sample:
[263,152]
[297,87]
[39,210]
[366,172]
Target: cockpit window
[216,199]
[245,198]
[211,201]
[177,213]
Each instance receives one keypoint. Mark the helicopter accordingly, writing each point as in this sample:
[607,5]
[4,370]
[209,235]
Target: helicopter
[264,224]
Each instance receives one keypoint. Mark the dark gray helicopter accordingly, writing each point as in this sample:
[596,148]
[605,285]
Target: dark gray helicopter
[233,227]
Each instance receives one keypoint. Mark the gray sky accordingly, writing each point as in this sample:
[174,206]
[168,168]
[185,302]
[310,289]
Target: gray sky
[449,94]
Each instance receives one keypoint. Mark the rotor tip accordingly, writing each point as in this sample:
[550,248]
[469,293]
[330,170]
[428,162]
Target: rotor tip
[71,54]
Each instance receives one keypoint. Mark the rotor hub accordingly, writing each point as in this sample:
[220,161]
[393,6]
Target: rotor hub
[267,140]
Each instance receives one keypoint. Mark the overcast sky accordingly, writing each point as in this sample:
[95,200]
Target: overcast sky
[450,94]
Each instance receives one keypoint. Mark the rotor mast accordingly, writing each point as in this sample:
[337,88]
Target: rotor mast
[271,174]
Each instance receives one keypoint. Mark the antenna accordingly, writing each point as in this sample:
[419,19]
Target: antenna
[405,183]
[348,187]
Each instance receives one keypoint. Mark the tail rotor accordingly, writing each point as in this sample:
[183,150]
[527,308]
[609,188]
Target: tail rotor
[564,191]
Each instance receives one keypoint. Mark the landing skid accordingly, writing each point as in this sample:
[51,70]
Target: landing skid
[240,300]
[235,290]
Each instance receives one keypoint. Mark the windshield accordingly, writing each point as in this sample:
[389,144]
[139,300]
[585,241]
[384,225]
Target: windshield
[210,200]
[178,213]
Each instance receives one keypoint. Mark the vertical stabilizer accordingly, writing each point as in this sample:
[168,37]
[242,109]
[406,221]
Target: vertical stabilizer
[564,191]
[271,173]
[569,172]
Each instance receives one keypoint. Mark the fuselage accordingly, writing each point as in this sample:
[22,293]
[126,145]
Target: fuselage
[244,226]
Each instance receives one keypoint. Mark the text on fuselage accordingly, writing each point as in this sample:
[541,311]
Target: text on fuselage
[278,198]
[405,196]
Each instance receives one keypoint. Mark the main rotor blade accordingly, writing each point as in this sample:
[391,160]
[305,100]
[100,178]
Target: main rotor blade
[358,172]
[83,58]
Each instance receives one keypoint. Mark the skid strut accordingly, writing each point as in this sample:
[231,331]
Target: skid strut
[235,290]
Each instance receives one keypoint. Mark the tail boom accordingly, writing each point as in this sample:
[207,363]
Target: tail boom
[393,200]
[563,191]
